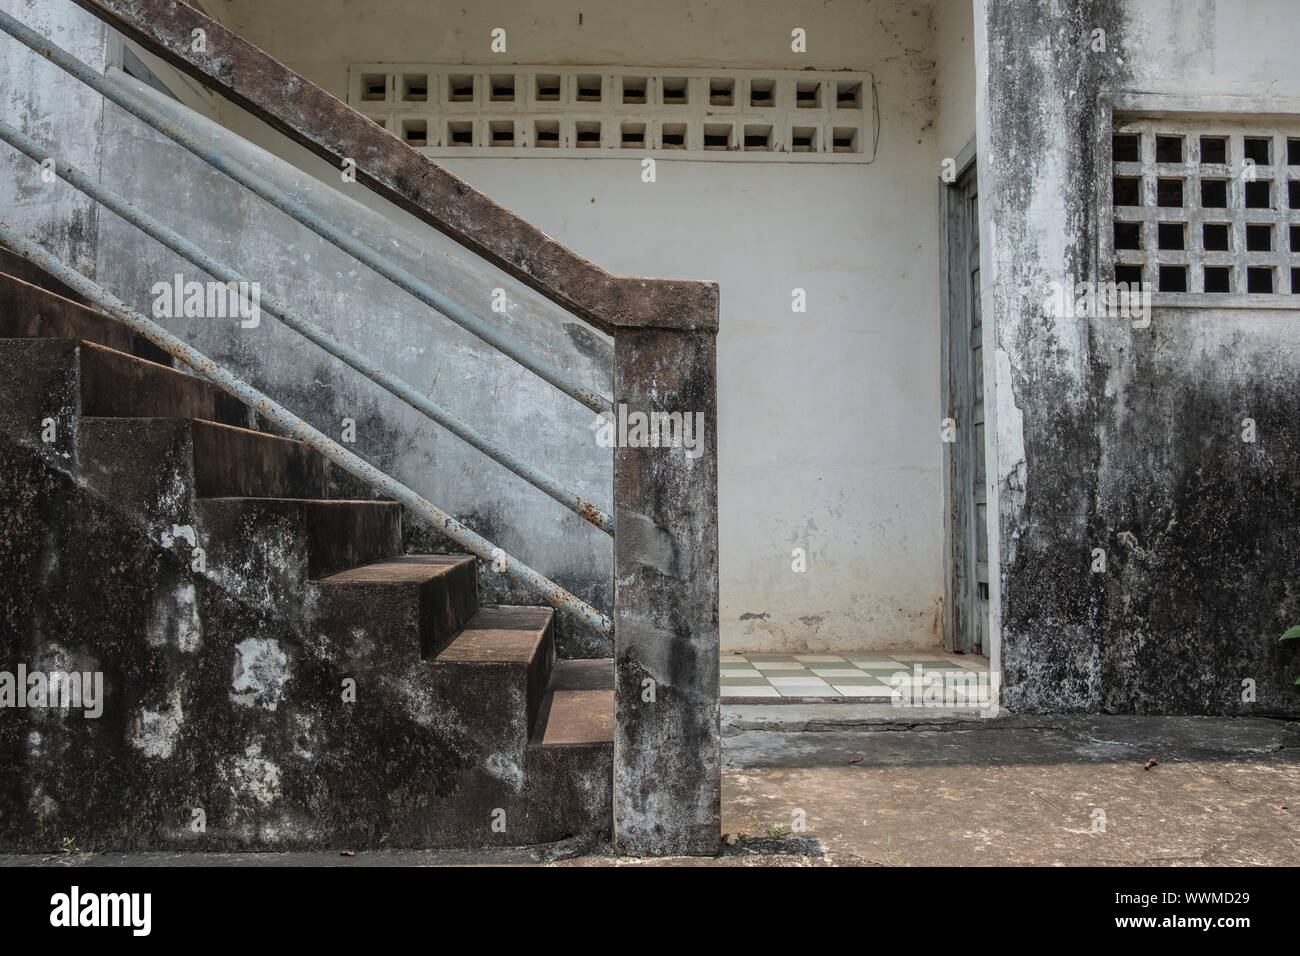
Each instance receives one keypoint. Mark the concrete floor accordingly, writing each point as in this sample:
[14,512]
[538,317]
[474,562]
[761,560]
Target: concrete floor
[1027,791]
[878,789]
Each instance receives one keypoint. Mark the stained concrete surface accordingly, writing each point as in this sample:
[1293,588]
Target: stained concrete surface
[1012,791]
[1019,790]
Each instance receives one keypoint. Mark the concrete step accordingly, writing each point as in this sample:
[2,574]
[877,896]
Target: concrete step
[502,660]
[62,381]
[141,460]
[28,309]
[424,598]
[578,709]
[281,537]
[240,463]
[117,385]
[570,758]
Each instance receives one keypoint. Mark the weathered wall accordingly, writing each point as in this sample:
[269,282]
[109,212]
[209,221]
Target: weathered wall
[1125,439]
[361,309]
[954,56]
[34,96]
[826,419]
[215,697]
[47,104]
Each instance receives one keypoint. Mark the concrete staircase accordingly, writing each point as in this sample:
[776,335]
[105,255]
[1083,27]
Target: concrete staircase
[278,673]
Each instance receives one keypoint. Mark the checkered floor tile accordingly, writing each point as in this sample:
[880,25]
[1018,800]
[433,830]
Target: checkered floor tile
[865,675]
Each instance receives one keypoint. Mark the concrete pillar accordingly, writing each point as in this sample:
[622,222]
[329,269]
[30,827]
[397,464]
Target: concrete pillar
[667,749]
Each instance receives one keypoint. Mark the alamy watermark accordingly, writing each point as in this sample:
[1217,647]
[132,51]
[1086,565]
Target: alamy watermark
[208,300]
[132,911]
[57,689]
[623,429]
[955,687]
[1085,299]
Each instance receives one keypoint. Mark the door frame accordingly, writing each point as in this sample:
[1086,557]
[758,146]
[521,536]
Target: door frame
[955,380]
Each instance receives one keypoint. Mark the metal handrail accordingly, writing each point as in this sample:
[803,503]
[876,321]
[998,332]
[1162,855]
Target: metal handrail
[551,592]
[308,217]
[385,379]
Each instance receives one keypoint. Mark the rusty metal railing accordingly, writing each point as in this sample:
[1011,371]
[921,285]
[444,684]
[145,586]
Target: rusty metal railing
[551,592]
[385,484]
[303,214]
[380,376]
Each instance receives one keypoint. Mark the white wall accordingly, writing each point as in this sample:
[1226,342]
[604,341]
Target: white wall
[1238,47]
[827,419]
[954,42]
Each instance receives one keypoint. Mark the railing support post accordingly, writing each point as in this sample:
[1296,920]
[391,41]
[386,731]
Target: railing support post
[667,744]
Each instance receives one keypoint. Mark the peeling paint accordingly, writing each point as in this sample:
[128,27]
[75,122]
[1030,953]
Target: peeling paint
[156,732]
[259,674]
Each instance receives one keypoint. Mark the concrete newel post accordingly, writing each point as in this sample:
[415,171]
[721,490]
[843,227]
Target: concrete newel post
[667,747]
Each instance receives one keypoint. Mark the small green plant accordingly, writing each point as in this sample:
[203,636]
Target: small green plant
[775,830]
[888,844]
[69,848]
[1291,635]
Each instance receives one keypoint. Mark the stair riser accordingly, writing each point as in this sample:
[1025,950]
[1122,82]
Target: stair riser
[344,534]
[245,464]
[40,385]
[420,617]
[27,311]
[269,548]
[114,385]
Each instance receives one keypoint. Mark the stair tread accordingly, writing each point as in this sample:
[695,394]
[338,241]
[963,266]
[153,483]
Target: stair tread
[579,705]
[499,635]
[413,568]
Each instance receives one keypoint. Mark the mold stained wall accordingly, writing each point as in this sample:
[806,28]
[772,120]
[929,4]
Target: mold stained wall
[34,94]
[1121,439]
[66,117]
[827,419]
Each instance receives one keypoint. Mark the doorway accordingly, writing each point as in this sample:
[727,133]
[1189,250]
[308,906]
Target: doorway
[966,512]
